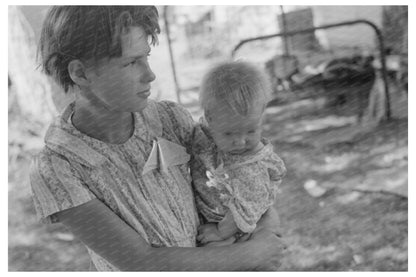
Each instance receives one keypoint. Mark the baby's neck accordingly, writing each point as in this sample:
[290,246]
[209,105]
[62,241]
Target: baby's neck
[256,149]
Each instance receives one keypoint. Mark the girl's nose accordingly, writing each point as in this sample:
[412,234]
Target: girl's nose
[148,75]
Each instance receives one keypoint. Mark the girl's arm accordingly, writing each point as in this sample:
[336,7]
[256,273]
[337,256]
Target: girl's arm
[111,238]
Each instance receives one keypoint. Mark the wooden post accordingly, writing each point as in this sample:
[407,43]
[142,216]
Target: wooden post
[172,60]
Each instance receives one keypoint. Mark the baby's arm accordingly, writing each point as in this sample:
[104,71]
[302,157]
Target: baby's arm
[254,191]
[211,232]
[218,231]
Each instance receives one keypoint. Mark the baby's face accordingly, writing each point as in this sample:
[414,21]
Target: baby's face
[234,133]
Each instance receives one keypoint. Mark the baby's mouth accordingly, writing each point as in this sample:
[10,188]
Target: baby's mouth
[238,152]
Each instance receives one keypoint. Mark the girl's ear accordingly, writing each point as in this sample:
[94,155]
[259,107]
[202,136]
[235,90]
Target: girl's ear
[76,70]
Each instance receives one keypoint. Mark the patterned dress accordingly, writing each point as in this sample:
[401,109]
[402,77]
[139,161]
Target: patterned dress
[74,168]
[246,185]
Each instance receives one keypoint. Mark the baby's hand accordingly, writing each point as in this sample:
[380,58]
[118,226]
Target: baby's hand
[208,233]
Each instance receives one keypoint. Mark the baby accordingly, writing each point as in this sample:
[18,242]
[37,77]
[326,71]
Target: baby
[235,171]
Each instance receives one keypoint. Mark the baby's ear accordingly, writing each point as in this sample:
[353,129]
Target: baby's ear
[207,116]
[76,70]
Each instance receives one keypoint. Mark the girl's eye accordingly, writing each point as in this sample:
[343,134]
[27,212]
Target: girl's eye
[131,63]
[227,134]
[138,60]
[251,131]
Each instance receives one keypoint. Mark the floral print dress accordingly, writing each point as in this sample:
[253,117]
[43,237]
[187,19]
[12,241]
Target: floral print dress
[246,185]
[74,168]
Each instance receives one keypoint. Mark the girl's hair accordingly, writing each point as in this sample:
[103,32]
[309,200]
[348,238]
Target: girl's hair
[239,84]
[89,33]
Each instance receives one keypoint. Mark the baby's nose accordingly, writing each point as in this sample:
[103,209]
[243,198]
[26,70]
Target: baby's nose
[241,141]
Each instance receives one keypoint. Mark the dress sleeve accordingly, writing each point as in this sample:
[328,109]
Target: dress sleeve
[56,186]
[276,169]
[252,191]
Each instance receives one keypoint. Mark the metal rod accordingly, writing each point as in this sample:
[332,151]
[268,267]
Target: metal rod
[172,60]
[307,30]
[383,69]
[284,25]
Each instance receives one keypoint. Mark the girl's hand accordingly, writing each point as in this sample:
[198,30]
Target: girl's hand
[270,221]
[268,250]
[208,233]
[243,238]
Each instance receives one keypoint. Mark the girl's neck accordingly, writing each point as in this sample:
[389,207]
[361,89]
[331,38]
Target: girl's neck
[101,123]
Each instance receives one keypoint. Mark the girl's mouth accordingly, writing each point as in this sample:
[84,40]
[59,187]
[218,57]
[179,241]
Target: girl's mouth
[145,93]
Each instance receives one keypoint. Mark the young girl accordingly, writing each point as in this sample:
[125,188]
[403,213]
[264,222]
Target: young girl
[96,173]
[235,171]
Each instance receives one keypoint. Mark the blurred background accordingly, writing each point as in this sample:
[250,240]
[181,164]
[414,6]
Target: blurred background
[338,118]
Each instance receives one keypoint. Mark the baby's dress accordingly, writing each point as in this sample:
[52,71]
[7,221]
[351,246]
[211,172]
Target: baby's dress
[158,204]
[246,185]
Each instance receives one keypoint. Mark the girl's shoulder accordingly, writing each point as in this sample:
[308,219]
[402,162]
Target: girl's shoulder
[56,185]
[172,119]
[42,162]
[48,169]
[174,111]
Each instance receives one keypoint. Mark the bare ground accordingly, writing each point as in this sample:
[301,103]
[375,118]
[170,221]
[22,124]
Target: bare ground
[359,221]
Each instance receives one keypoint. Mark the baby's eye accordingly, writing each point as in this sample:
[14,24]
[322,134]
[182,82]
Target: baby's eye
[251,131]
[227,133]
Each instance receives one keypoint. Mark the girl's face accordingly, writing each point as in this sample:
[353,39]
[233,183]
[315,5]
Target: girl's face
[123,83]
[234,133]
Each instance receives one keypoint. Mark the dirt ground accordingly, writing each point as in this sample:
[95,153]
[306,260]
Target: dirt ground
[354,218]
[343,203]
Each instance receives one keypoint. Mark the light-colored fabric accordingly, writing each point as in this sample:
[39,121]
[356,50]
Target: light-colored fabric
[164,155]
[74,168]
[244,184]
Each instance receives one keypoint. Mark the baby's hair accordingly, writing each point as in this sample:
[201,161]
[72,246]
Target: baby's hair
[239,84]
[89,33]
